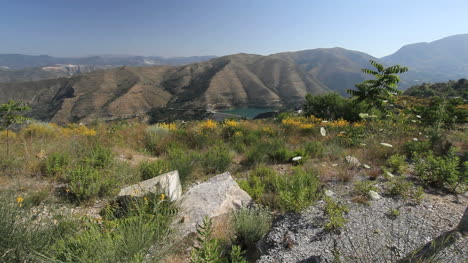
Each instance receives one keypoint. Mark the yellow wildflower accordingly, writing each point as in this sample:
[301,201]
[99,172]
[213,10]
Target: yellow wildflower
[238,133]
[168,126]
[231,123]
[208,124]
[20,201]
[162,197]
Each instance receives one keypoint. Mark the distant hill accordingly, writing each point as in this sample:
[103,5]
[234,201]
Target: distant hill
[437,61]
[451,89]
[242,80]
[19,61]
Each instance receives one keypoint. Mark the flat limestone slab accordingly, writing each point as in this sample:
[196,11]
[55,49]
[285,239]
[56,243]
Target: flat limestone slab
[168,183]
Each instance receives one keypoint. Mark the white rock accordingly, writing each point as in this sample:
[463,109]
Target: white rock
[329,193]
[168,183]
[415,139]
[389,174]
[386,144]
[323,131]
[217,196]
[374,195]
[381,130]
[334,165]
[353,161]
[366,166]
[418,116]
[363,144]
[296,159]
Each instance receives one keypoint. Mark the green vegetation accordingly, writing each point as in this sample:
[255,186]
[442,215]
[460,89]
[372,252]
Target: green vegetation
[452,89]
[376,92]
[251,224]
[10,113]
[149,170]
[335,213]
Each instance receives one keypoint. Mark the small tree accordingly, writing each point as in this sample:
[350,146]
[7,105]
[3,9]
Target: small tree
[10,113]
[376,91]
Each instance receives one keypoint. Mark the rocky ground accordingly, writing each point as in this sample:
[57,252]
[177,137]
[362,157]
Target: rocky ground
[372,233]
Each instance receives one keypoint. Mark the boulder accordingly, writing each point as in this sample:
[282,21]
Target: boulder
[374,195]
[215,197]
[353,161]
[168,183]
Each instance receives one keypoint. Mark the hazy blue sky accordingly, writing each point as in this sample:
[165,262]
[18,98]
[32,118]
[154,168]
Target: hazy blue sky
[220,27]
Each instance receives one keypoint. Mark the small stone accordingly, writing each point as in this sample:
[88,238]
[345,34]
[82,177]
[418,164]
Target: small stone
[297,159]
[389,174]
[363,144]
[353,161]
[323,132]
[386,144]
[329,193]
[381,130]
[334,165]
[374,195]
[366,166]
[418,116]
[415,139]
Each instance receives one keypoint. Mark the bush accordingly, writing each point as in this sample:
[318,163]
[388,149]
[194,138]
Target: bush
[314,149]
[41,129]
[412,148]
[182,160]
[216,159]
[140,237]
[149,170]
[99,157]
[397,163]
[22,238]
[288,193]
[280,155]
[335,212]
[440,170]
[55,164]
[156,139]
[400,187]
[362,188]
[85,182]
[332,106]
[251,224]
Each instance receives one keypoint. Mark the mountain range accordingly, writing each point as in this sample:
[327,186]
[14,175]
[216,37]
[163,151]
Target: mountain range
[87,91]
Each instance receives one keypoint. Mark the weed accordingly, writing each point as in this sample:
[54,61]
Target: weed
[149,170]
[335,213]
[397,163]
[55,164]
[251,224]
[216,159]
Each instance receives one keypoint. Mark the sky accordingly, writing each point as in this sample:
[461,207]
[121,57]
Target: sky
[221,27]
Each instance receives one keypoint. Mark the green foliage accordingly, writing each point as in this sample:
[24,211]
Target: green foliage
[314,149]
[332,106]
[216,159]
[397,163]
[209,250]
[280,155]
[374,92]
[335,213]
[400,187]
[138,237]
[55,164]
[85,182]
[182,160]
[441,171]
[99,157]
[237,255]
[10,113]
[156,139]
[36,198]
[22,236]
[442,111]
[452,88]
[251,224]
[288,193]
[152,169]
[363,187]
[413,148]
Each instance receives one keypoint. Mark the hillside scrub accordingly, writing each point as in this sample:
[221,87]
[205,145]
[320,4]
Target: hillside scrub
[77,166]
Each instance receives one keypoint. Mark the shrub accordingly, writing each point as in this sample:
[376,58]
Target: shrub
[362,188]
[36,198]
[149,170]
[55,164]
[397,163]
[85,182]
[156,139]
[138,238]
[251,224]
[209,249]
[335,212]
[332,106]
[216,159]
[280,155]
[314,149]
[182,160]
[412,148]
[21,237]
[439,170]
[288,193]
[99,157]
[400,187]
